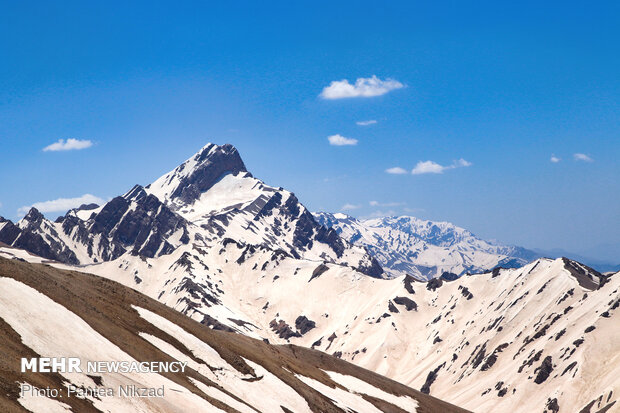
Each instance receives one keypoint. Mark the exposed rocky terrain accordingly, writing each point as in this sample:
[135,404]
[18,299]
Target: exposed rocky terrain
[45,312]
[237,255]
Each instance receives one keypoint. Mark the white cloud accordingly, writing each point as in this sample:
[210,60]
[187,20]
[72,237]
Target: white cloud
[366,122]
[430,167]
[349,207]
[554,159]
[68,145]
[363,87]
[397,170]
[461,163]
[386,204]
[339,140]
[62,204]
[582,157]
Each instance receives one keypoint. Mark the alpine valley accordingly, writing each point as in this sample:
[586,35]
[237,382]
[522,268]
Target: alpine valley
[280,309]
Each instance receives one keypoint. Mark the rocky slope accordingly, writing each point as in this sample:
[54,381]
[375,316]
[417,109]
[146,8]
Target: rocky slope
[424,249]
[245,257]
[45,312]
[207,198]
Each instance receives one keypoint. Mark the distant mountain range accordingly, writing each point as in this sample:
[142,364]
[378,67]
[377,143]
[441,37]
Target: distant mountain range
[425,249]
[424,303]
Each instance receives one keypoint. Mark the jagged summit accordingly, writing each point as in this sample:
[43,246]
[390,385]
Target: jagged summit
[208,198]
[33,216]
[247,257]
[185,184]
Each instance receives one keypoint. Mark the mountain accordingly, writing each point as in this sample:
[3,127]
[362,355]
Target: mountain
[424,249]
[46,312]
[600,265]
[192,203]
[239,256]
[538,338]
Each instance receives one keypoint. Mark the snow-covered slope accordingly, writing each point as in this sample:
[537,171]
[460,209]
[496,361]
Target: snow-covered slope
[213,190]
[238,255]
[208,198]
[525,339]
[424,249]
[45,312]
[479,342]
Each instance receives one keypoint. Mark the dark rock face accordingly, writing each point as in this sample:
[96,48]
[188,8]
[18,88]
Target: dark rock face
[213,162]
[308,230]
[407,302]
[282,329]
[490,361]
[531,360]
[372,269]
[318,271]
[449,276]
[408,281]
[552,405]
[434,284]
[143,230]
[544,370]
[432,376]
[479,356]
[587,277]
[136,222]
[466,293]
[215,324]
[35,240]
[303,324]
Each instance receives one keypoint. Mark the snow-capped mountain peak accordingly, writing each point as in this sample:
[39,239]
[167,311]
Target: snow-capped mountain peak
[422,248]
[185,184]
[208,198]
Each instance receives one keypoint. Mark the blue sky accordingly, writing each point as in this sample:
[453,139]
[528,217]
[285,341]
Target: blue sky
[490,92]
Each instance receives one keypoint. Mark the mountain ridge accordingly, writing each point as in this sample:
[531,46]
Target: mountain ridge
[226,372]
[425,249]
[249,258]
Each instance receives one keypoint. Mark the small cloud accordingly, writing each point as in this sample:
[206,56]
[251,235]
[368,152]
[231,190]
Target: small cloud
[413,210]
[397,170]
[461,163]
[430,167]
[350,207]
[582,157]
[386,204]
[554,159]
[68,145]
[366,122]
[364,87]
[339,140]
[62,204]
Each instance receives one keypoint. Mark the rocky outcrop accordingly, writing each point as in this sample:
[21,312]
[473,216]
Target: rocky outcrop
[303,324]
[38,236]
[200,173]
